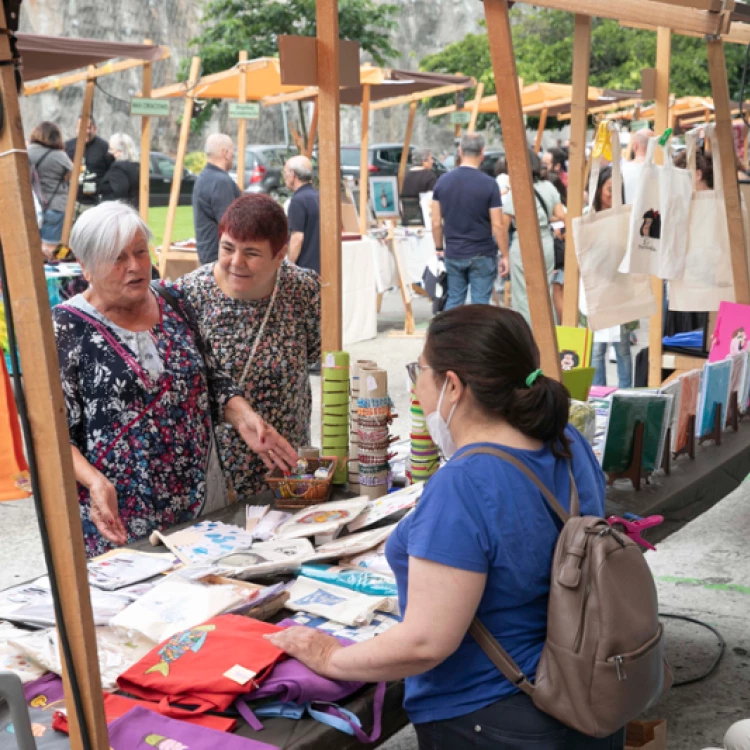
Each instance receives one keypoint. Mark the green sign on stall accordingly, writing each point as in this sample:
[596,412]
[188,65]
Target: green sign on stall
[149,107]
[637,125]
[460,118]
[249,111]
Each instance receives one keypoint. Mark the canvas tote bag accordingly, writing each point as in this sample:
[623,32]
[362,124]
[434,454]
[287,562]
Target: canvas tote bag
[611,298]
[707,280]
[661,209]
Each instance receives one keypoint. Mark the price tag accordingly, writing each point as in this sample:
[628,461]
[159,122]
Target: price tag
[239,674]
[330,361]
[372,384]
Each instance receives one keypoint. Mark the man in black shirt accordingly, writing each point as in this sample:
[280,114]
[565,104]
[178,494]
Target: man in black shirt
[96,161]
[213,192]
[304,214]
[420,178]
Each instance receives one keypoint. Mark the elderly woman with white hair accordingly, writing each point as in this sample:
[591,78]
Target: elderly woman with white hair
[136,389]
[121,181]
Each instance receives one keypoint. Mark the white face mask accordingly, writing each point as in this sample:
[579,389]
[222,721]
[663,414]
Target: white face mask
[438,427]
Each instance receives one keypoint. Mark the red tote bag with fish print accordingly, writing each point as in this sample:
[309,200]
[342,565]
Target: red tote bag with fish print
[206,667]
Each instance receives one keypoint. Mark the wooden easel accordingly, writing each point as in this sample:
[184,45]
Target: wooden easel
[635,472]
[689,449]
[716,430]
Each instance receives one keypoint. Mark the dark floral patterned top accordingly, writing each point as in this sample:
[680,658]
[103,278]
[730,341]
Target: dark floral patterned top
[148,434]
[278,384]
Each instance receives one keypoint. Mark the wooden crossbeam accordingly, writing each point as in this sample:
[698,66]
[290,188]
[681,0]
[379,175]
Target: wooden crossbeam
[55,84]
[295,96]
[739,33]
[422,95]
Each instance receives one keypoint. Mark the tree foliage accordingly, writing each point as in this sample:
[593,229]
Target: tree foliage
[543,43]
[229,26]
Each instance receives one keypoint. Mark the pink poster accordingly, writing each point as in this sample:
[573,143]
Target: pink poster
[732,331]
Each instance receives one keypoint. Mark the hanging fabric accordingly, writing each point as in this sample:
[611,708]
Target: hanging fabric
[14,472]
[657,239]
[707,280]
[611,298]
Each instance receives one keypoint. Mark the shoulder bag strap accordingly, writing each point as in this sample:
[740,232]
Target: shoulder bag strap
[541,200]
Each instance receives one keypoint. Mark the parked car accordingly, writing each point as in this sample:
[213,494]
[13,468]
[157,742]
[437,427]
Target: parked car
[264,168]
[160,181]
[383,160]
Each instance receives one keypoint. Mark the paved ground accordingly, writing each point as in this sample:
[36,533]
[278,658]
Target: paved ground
[702,571]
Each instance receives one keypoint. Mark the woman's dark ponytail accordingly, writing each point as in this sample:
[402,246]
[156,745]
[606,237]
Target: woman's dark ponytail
[493,352]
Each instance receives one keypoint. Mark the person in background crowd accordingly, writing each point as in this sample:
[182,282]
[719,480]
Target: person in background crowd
[122,181]
[631,169]
[554,160]
[602,202]
[421,178]
[260,317]
[704,168]
[501,176]
[479,544]
[213,192]
[467,212]
[549,208]
[304,214]
[97,159]
[53,168]
[136,390]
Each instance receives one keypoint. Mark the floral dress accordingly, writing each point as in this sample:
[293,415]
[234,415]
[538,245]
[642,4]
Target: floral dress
[146,428]
[278,383]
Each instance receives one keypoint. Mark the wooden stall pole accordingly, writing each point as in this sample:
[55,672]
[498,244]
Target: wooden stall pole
[517,154]
[144,184]
[46,408]
[576,162]
[313,134]
[717,70]
[242,125]
[407,142]
[364,160]
[70,207]
[540,130]
[661,122]
[329,160]
[174,196]
[475,108]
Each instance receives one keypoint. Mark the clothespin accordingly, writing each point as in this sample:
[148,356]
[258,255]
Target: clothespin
[665,137]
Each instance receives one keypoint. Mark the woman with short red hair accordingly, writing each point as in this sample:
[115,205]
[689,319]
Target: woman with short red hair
[260,316]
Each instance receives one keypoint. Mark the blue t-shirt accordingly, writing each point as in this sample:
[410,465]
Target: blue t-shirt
[481,514]
[466,196]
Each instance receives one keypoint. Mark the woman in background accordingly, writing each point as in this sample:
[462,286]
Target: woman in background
[122,180]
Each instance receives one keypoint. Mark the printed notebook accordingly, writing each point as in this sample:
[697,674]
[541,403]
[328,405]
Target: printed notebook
[578,382]
[628,408]
[688,407]
[714,390]
[574,345]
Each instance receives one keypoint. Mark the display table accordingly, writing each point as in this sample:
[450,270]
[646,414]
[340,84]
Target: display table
[360,295]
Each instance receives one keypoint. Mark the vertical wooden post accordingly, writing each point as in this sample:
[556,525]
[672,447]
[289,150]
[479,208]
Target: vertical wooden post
[661,123]
[576,162]
[364,160]
[524,201]
[46,408]
[70,208]
[144,184]
[312,135]
[475,108]
[717,70]
[329,160]
[540,130]
[174,196]
[407,143]
[242,124]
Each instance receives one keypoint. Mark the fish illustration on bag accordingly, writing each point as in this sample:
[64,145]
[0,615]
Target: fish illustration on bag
[179,645]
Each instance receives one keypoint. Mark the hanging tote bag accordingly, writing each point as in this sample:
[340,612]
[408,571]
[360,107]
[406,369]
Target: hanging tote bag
[611,298]
[707,280]
[658,224]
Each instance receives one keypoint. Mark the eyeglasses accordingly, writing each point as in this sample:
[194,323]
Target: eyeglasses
[414,369]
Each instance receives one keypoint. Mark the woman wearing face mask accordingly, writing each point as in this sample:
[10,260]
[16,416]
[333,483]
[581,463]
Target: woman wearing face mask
[480,542]
[260,316]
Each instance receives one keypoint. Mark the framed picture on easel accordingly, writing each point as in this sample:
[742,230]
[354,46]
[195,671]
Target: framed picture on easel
[384,192]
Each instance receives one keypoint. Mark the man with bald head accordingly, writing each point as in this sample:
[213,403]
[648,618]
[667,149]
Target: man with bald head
[214,191]
[631,169]
[304,214]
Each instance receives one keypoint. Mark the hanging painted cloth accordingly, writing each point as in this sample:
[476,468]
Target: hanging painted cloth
[657,242]
[206,667]
[14,472]
[140,729]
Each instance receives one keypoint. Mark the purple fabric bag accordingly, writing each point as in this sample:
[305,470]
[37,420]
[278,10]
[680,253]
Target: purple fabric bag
[141,729]
[44,690]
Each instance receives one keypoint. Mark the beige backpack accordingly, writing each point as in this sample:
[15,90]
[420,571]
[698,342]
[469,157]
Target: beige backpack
[603,661]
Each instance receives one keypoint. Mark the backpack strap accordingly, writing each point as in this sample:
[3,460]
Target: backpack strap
[499,656]
[552,501]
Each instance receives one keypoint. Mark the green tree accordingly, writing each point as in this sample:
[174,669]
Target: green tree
[543,43]
[229,26]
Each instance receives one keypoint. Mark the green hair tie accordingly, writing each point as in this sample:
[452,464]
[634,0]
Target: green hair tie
[532,378]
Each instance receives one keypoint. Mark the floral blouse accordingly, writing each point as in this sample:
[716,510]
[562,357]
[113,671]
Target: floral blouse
[278,383]
[148,434]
